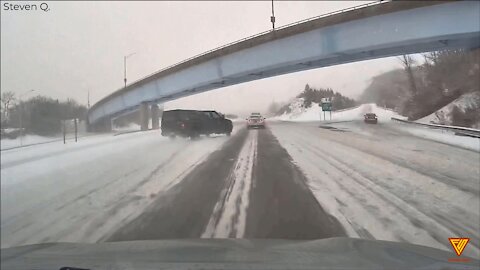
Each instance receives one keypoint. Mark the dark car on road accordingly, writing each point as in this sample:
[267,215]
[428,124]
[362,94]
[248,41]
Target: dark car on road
[192,123]
[370,118]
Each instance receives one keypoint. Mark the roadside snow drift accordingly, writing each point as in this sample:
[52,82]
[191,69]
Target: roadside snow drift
[314,113]
[27,140]
[442,116]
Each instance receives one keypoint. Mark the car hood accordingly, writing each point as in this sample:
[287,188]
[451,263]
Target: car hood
[330,253]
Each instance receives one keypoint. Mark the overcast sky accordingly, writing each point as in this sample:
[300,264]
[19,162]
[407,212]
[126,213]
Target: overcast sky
[78,47]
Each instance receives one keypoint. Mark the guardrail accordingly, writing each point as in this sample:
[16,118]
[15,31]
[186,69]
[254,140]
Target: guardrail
[471,132]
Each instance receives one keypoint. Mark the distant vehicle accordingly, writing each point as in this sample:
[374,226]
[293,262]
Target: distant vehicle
[191,123]
[370,118]
[255,120]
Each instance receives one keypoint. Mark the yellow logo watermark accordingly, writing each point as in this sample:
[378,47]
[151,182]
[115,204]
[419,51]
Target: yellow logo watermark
[458,245]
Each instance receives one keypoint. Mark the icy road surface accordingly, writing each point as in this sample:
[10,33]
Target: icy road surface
[81,191]
[382,183]
[291,180]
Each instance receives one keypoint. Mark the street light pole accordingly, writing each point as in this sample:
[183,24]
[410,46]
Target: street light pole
[272,18]
[125,68]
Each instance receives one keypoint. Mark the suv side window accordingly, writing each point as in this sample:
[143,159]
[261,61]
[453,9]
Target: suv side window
[208,115]
[215,115]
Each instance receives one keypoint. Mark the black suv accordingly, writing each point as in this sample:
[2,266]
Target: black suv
[190,123]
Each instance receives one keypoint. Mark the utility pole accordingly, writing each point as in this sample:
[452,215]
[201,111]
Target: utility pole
[76,129]
[64,133]
[272,18]
[125,70]
[88,99]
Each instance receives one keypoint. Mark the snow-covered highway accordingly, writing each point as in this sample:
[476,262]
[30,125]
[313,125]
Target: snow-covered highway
[292,180]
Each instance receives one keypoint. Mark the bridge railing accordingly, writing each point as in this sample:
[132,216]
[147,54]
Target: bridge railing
[471,132]
[268,31]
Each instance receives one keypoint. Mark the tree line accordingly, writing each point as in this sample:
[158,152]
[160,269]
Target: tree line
[38,115]
[312,95]
[419,89]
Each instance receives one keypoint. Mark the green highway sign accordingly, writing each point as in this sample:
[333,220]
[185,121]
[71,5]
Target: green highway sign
[327,107]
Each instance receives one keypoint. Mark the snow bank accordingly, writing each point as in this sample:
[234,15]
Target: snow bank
[443,136]
[26,140]
[129,127]
[314,113]
[442,116]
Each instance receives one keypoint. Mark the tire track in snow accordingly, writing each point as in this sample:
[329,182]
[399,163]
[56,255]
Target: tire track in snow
[185,210]
[281,204]
[229,216]
[352,189]
[426,219]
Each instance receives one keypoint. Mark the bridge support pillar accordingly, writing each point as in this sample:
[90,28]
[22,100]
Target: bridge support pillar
[144,116]
[155,116]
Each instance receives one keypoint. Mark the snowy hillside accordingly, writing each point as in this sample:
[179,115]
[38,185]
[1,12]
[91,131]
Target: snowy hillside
[442,116]
[314,113]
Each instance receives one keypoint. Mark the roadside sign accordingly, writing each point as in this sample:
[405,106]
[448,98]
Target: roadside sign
[327,107]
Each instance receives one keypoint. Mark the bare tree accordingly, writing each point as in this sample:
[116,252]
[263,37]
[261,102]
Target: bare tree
[7,99]
[431,57]
[408,62]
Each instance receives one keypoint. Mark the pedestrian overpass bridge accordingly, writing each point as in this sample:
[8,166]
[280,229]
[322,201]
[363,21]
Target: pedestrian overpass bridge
[375,30]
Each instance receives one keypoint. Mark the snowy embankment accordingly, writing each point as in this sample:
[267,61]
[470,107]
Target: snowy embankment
[443,117]
[128,128]
[314,113]
[81,192]
[301,114]
[26,140]
[33,140]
